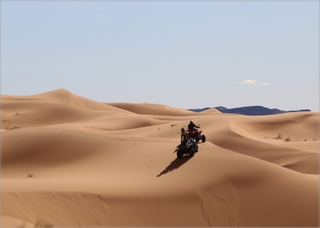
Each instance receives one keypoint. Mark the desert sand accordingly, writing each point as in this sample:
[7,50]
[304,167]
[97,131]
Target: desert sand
[71,161]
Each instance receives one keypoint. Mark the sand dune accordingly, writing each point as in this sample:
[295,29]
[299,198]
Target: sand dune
[71,161]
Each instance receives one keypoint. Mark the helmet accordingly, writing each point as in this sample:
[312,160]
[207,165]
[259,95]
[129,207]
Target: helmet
[182,129]
[191,121]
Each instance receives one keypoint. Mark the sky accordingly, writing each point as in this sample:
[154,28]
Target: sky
[184,54]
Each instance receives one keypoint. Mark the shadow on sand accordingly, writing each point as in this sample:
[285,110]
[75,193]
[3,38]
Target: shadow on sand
[175,164]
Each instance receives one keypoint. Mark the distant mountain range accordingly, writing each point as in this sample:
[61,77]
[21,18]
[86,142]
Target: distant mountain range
[250,110]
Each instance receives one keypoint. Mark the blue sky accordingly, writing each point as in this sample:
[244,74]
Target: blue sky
[185,54]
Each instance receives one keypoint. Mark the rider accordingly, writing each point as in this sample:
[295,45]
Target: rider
[192,125]
[184,136]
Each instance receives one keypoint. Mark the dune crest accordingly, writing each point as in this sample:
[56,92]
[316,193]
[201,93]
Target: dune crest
[71,161]
[152,109]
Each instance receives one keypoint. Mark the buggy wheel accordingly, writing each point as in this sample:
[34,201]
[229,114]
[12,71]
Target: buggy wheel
[179,154]
[191,152]
[203,138]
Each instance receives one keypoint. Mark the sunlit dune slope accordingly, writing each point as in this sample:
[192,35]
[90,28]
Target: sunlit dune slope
[60,107]
[70,161]
[64,97]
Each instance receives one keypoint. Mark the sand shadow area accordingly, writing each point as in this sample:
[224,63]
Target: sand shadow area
[175,164]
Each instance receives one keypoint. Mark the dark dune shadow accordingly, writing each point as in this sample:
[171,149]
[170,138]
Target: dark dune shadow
[175,164]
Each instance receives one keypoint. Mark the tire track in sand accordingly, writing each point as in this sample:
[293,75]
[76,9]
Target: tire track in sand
[73,209]
[220,205]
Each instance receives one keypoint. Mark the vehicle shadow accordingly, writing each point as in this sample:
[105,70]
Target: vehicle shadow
[175,164]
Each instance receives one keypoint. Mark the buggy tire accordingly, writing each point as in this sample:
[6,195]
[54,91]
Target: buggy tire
[191,152]
[203,138]
[179,154]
